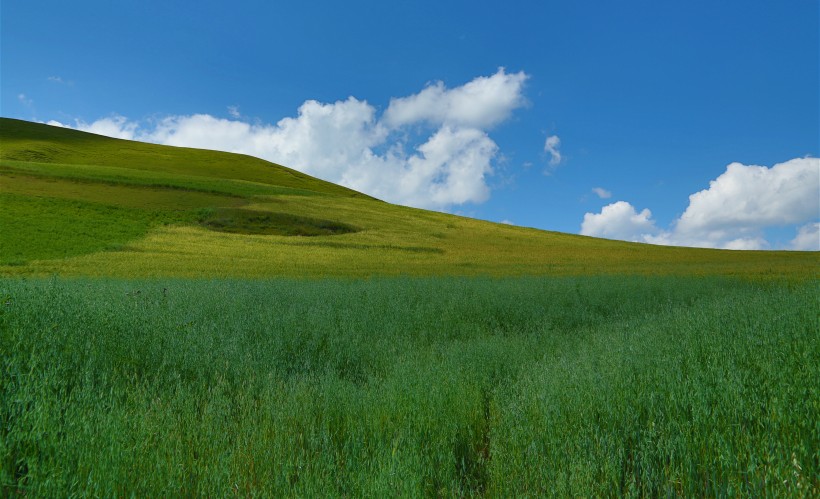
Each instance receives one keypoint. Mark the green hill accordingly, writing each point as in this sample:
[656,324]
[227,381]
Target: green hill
[75,203]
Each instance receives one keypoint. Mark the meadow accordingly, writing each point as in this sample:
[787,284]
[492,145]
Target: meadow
[80,204]
[178,322]
[410,386]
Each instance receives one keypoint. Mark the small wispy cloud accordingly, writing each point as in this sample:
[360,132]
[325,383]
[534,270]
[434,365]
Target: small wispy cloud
[234,112]
[551,146]
[506,222]
[602,193]
[59,80]
[24,100]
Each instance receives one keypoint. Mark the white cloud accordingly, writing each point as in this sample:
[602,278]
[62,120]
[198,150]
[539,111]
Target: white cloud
[233,111]
[506,222]
[450,169]
[808,238]
[752,197]
[24,100]
[482,103]
[346,142]
[601,192]
[60,80]
[738,206]
[749,243]
[114,126]
[619,220]
[551,146]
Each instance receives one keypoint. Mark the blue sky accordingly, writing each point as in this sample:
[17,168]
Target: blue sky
[648,102]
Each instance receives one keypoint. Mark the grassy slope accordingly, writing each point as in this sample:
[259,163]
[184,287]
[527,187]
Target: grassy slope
[75,203]
[32,142]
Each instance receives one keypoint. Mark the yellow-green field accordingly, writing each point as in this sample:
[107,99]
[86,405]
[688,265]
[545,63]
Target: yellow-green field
[78,204]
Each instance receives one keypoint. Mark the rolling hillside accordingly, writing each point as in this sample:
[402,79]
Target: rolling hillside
[76,204]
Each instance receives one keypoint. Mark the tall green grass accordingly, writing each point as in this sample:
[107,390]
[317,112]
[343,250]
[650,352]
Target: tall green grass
[438,386]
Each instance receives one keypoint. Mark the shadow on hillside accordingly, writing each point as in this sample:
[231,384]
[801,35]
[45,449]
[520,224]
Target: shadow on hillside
[244,221]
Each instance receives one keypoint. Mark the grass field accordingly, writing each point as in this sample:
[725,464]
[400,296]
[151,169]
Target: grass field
[80,205]
[176,322]
[422,386]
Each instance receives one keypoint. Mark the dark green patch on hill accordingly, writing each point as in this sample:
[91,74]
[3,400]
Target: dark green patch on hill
[243,221]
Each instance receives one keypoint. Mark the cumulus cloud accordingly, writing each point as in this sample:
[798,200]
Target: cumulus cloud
[601,192]
[749,243]
[748,198]
[482,103]
[551,146]
[738,206]
[450,168]
[808,238]
[348,143]
[115,126]
[619,220]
